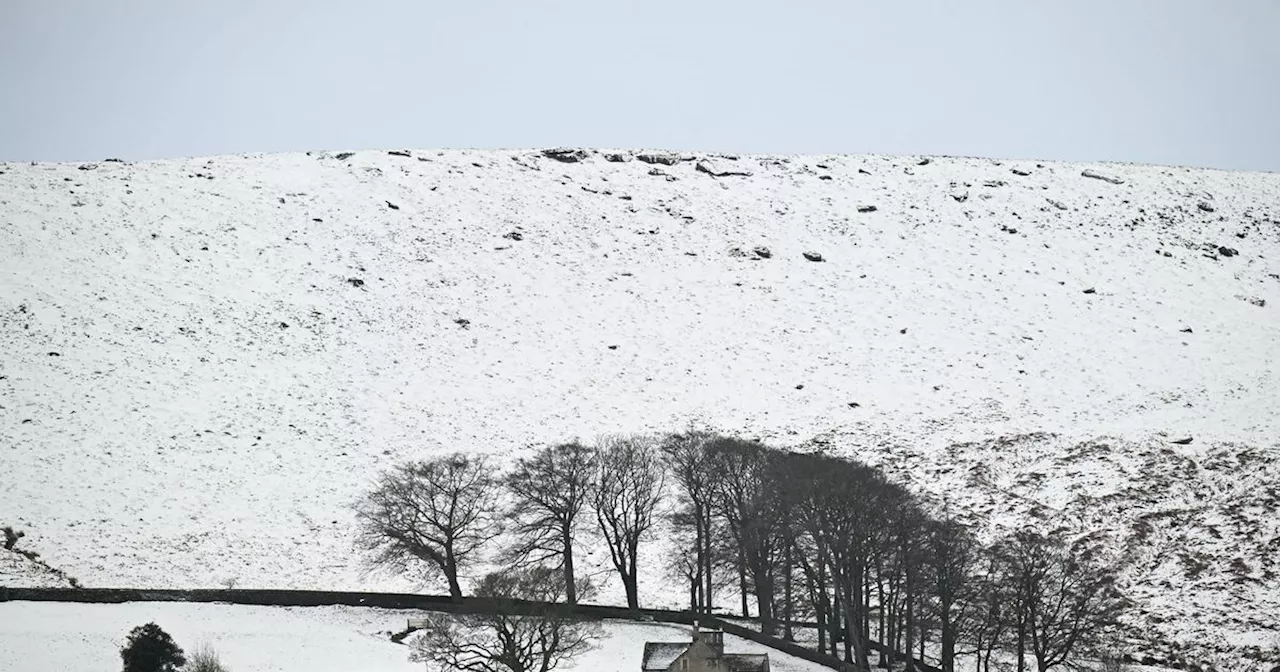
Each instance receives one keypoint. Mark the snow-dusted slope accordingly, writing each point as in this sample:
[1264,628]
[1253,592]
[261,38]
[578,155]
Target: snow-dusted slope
[202,362]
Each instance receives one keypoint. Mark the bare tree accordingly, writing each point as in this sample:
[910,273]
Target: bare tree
[508,637]
[1066,600]
[549,490]
[747,498]
[438,512]
[689,463]
[629,485]
[951,555]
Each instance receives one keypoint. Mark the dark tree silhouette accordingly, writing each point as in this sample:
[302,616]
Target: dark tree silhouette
[689,463]
[502,639]
[151,649]
[549,490]
[439,511]
[628,487]
[1066,600]
[748,499]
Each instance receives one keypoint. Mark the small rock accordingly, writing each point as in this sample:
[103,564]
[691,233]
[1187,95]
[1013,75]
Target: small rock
[343,156]
[462,322]
[566,154]
[399,152]
[393,206]
[514,235]
[902,330]
[284,325]
[863,171]
[1206,207]
[1227,251]
[1186,330]
[88,166]
[1242,234]
[800,387]
[55,354]
[1057,204]
[1019,172]
[867,208]
[658,172]
[617,157]
[356,282]
[664,158]
[1255,300]
[762,252]
[824,177]
[924,162]
[1102,176]
[114,160]
[960,198]
[1167,253]
[613,347]
[854,404]
[994,183]
[1091,291]
[813,256]
[1183,442]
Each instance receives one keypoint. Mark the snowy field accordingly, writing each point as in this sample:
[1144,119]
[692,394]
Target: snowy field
[57,637]
[203,362]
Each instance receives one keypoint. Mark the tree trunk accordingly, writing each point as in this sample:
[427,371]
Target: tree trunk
[786,605]
[706,559]
[629,581]
[742,583]
[948,640]
[451,573]
[570,588]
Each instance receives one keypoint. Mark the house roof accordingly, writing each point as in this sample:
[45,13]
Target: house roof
[746,662]
[658,656]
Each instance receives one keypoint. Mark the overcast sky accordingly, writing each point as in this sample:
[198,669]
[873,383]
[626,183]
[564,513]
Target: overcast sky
[1163,81]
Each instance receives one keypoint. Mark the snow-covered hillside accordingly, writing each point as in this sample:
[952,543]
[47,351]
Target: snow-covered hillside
[202,362]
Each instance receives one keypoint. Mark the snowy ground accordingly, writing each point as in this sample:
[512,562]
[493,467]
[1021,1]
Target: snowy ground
[56,637]
[193,389]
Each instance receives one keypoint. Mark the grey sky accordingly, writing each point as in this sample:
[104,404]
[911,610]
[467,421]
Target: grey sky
[1162,81]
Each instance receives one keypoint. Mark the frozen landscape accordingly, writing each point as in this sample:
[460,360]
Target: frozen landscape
[204,362]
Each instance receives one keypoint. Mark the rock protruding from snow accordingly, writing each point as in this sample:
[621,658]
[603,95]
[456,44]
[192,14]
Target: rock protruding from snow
[617,157]
[717,169]
[813,256]
[566,154]
[1089,172]
[664,158]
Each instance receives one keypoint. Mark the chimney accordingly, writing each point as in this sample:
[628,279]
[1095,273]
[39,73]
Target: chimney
[697,634]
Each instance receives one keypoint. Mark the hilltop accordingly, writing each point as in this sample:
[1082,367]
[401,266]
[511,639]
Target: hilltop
[204,361]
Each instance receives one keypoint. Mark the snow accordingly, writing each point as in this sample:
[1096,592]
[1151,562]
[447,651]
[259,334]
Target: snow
[221,392]
[61,637]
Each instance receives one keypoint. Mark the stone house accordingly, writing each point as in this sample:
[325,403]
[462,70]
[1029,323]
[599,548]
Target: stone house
[704,654]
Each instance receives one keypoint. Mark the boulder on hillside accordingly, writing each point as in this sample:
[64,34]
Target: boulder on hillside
[717,169]
[566,154]
[617,157]
[1102,176]
[664,158]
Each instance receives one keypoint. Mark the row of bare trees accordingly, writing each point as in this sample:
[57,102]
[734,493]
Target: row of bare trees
[832,544]
[812,541]
[443,513]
